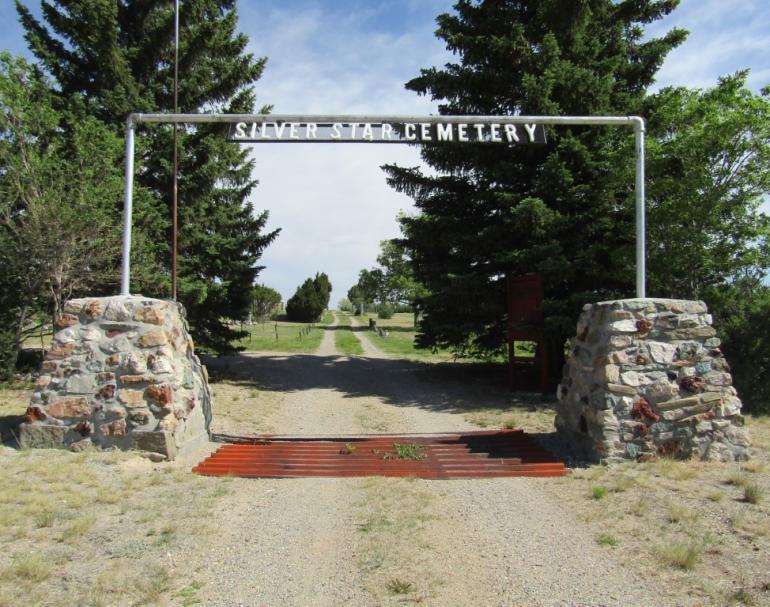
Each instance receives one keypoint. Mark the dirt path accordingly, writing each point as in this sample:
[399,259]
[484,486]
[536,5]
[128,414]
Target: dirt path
[370,350]
[392,541]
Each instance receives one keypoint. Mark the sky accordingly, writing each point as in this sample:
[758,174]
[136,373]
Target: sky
[353,57]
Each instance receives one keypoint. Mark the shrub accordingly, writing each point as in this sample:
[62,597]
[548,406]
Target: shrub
[385,311]
[598,492]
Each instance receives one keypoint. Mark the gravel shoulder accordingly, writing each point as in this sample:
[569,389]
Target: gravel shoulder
[393,541]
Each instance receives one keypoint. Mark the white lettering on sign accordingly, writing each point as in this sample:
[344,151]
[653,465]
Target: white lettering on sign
[444,132]
[530,128]
[405,132]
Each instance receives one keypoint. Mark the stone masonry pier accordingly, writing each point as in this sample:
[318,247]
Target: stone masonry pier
[121,372]
[646,378]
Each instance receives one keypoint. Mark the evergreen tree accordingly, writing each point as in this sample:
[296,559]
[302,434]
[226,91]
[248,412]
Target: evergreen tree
[553,210]
[310,299]
[118,57]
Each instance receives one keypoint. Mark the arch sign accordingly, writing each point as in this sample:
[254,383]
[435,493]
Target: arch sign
[492,131]
[509,131]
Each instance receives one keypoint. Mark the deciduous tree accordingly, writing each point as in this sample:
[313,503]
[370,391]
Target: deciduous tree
[118,58]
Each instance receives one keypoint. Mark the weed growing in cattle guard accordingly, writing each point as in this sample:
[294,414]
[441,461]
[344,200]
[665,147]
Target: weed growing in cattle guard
[410,451]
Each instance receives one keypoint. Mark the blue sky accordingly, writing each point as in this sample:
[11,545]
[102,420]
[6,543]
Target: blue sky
[354,56]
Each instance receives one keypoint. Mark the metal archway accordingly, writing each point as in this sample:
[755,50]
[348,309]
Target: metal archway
[411,130]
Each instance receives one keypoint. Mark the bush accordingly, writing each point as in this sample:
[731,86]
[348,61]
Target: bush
[344,305]
[385,311]
[310,300]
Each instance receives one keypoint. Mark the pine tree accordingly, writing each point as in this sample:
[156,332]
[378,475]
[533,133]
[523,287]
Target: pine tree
[118,57]
[552,210]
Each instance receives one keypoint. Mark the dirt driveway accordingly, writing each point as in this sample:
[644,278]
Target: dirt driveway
[390,541]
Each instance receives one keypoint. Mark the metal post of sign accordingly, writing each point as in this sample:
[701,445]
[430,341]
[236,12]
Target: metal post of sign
[128,200]
[641,246]
[635,121]
[175,186]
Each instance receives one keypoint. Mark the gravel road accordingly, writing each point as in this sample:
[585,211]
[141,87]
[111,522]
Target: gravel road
[373,542]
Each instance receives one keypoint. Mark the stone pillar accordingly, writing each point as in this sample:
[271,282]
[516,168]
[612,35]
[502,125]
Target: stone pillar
[121,372]
[646,378]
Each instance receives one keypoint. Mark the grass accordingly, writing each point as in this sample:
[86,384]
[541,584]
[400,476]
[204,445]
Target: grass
[400,340]
[80,516]
[187,595]
[753,493]
[681,554]
[607,539]
[344,340]
[399,586]
[598,492]
[31,568]
[393,539]
[677,513]
[284,336]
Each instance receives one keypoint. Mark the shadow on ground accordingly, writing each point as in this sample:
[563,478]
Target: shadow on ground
[439,387]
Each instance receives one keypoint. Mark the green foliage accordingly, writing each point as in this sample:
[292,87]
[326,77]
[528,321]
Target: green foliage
[708,172]
[553,209]
[607,539]
[310,300]
[60,180]
[116,58]
[385,311]
[264,302]
[344,305]
[598,492]
[409,451]
[742,316]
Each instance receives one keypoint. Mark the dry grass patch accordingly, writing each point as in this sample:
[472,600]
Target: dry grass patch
[240,408]
[530,419]
[97,528]
[394,551]
[683,523]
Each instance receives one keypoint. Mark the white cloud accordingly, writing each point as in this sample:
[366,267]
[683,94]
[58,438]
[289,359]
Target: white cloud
[332,202]
[354,56]
[725,36]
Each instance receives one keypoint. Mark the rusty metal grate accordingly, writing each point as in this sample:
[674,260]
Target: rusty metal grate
[469,455]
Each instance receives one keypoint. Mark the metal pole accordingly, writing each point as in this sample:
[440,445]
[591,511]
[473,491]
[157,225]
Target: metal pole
[176,118]
[125,276]
[175,186]
[641,245]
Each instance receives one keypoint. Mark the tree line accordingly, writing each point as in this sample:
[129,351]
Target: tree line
[565,211]
[62,121]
